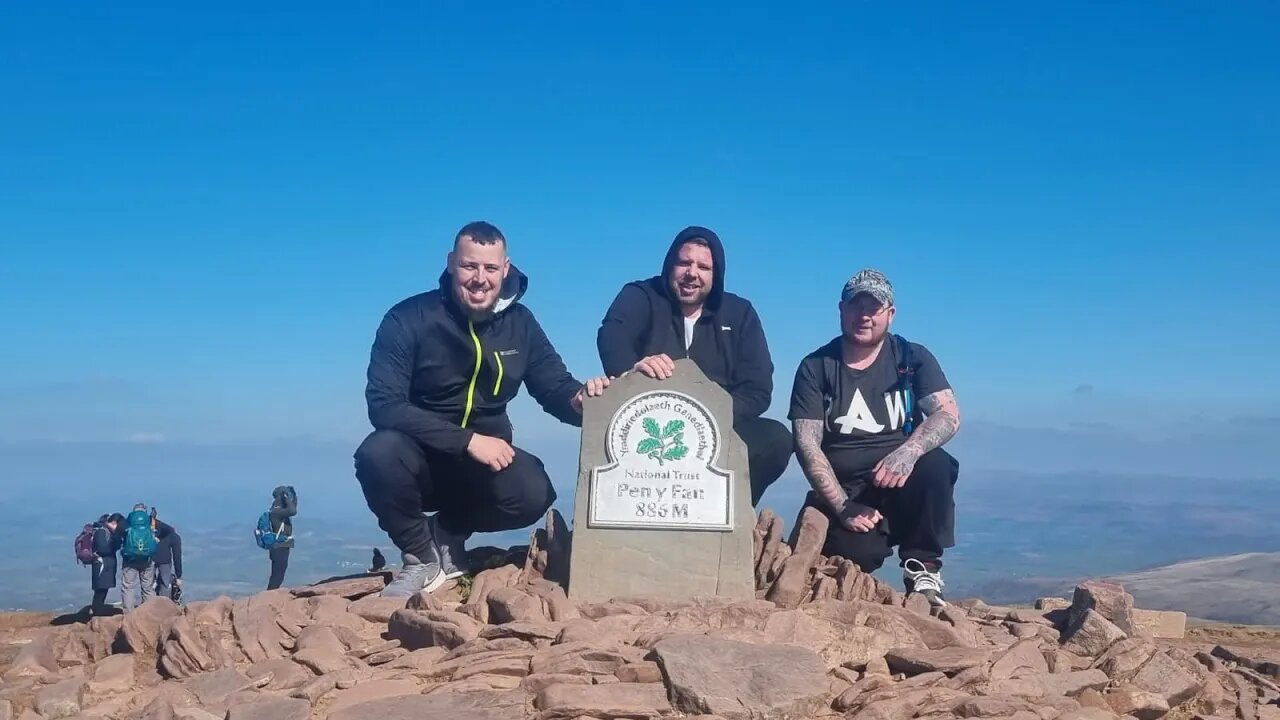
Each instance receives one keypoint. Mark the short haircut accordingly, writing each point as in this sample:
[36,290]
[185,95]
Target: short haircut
[480,232]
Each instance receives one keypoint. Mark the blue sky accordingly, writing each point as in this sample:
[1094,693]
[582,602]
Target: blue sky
[205,213]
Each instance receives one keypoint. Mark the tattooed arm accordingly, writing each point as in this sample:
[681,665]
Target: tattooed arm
[814,462]
[942,420]
[817,468]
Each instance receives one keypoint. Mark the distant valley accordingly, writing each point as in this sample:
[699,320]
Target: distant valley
[1019,535]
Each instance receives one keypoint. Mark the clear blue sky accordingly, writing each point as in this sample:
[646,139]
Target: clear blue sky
[204,214]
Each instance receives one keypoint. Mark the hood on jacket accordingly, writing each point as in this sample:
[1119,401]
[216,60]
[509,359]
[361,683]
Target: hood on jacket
[717,259]
[513,288]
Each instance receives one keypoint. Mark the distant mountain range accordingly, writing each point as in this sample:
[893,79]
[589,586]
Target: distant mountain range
[1236,588]
[1243,588]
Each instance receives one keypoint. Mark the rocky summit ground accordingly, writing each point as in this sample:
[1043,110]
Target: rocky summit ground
[821,640]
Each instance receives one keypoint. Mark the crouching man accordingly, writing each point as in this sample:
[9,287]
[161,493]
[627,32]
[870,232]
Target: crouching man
[870,413]
[685,312]
[443,367]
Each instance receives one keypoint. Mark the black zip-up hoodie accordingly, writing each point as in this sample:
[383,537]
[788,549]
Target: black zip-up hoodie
[168,547]
[439,377]
[728,345]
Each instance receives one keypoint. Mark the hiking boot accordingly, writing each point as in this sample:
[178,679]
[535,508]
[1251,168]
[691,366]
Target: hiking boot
[919,578]
[415,576]
[452,548]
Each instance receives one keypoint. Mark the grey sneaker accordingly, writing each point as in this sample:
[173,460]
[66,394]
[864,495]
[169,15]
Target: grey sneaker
[918,578]
[452,549]
[415,576]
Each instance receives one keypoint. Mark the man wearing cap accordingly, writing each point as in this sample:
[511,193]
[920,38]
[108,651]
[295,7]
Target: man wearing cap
[685,312]
[870,413]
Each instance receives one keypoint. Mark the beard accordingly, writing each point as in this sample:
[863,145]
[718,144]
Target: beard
[473,312]
[697,299]
[876,336]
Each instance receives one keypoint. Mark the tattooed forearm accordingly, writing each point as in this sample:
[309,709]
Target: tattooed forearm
[942,420]
[814,462]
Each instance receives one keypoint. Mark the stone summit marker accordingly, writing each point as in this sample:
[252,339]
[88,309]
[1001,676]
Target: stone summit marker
[663,508]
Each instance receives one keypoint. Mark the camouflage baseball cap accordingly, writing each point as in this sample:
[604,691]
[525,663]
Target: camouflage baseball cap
[869,281]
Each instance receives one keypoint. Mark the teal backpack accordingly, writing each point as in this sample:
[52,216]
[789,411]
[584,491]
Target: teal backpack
[139,539]
[266,535]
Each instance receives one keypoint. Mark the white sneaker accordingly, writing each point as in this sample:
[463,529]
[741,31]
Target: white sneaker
[918,578]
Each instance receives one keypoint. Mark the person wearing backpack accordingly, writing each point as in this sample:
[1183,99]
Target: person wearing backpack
[84,543]
[168,558]
[137,557]
[106,541]
[275,532]
[870,413]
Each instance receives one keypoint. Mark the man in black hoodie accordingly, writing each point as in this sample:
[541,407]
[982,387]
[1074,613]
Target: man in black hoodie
[443,367]
[168,557]
[686,313]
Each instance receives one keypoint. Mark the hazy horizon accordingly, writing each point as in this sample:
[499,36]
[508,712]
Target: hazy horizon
[1018,531]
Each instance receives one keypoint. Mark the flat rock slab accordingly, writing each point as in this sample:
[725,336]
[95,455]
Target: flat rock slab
[112,674]
[1163,676]
[271,709]
[1023,657]
[35,659]
[351,589]
[376,609]
[739,680]
[1160,623]
[60,700]
[373,690]
[476,705]
[617,700]
[914,661]
[214,688]
[285,674]
[415,629]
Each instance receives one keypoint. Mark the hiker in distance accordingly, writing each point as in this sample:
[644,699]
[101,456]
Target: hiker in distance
[275,532]
[871,412]
[137,558]
[685,312]
[106,542]
[443,366]
[168,559]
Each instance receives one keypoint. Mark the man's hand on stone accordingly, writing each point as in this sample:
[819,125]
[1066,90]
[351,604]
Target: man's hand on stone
[896,467]
[658,367]
[491,451]
[593,388]
[859,518]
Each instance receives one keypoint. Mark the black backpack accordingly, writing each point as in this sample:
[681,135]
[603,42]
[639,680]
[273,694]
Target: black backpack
[906,383]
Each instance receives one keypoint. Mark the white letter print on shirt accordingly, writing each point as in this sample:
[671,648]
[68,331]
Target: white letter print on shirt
[859,417]
[897,407]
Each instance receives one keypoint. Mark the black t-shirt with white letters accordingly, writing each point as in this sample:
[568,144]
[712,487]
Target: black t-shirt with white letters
[863,411]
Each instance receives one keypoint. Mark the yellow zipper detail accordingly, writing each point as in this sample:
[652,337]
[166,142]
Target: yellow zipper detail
[471,389]
[498,384]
